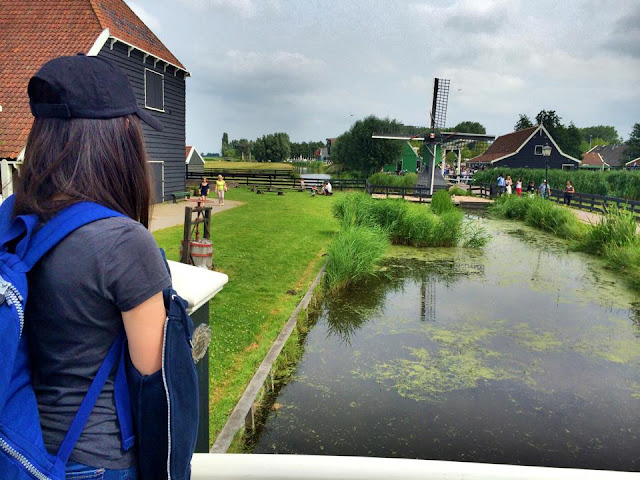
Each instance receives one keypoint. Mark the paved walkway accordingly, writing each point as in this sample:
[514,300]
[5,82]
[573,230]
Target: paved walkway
[166,215]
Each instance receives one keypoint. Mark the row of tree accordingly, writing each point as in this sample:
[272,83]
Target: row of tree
[274,147]
[572,140]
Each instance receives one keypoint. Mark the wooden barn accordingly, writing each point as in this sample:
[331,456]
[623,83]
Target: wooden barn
[194,163]
[409,160]
[35,31]
[523,149]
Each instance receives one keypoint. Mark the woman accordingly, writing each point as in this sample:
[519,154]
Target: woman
[102,277]
[519,186]
[508,184]
[204,189]
[221,187]
[568,193]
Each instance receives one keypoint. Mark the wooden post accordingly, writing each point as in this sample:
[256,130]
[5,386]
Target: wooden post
[206,230]
[186,237]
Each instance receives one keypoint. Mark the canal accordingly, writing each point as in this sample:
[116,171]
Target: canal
[520,353]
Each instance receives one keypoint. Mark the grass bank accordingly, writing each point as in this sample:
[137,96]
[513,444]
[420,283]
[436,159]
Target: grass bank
[615,237]
[271,247]
[615,183]
[210,162]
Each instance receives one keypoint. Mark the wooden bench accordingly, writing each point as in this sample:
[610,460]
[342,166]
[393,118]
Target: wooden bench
[176,195]
[261,190]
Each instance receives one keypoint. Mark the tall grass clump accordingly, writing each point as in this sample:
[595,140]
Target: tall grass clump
[560,221]
[441,202]
[616,230]
[511,207]
[354,255]
[389,179]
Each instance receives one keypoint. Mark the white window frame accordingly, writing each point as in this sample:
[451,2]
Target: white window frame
[535,148]
[145,90]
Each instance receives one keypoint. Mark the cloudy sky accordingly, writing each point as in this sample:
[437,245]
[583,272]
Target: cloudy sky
[312,67]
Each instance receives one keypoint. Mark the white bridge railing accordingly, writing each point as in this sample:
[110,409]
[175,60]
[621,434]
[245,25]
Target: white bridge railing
[208,466]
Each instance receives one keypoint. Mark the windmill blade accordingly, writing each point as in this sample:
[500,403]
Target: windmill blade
[439,103]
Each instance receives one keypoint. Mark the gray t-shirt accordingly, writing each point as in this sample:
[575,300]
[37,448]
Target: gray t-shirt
[76,295]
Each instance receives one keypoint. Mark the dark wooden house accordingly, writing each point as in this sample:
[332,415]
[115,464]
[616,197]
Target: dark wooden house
[523,149]
[35,31]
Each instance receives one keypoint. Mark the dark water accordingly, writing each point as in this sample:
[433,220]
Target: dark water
[523,353]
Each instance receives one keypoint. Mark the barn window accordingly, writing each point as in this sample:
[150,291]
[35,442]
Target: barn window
[153,90]
[538,150]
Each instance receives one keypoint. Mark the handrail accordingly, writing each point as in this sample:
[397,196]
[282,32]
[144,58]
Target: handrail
[316,467]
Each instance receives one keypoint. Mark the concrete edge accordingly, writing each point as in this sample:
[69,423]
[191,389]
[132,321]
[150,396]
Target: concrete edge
[245,404]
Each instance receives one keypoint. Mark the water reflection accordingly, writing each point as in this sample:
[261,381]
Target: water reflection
[524,353]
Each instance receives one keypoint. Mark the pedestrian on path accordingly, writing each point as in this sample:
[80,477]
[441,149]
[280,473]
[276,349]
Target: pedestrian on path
[501,183]
[568,193]
[544,189]
[531,189]
[508,184]
[221,187]
[204,189]
[519,187]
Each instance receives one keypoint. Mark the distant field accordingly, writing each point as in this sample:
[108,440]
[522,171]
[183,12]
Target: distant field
[211,163]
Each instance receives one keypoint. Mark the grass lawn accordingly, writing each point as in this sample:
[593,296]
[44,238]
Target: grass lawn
[247,165]
[269,246]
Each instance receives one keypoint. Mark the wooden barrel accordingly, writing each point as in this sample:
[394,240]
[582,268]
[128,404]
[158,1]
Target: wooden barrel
[201,252]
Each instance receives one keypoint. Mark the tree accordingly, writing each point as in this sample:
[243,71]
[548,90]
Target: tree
[273,147]
[605,133]
[469,127]
[550,120]
[225,143]
[572,142]
[633,144]
[356,150]
[522,123]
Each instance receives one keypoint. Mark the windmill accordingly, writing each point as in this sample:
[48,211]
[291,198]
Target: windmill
[435,138]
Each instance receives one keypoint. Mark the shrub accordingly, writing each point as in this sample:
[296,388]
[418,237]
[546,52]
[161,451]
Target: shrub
[353,255]
[615,183]
[390,179]
[453,190]
[617,229]
[547,216]
[511,206]
[441,202]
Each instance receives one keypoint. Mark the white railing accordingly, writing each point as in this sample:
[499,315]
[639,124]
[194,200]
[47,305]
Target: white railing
[315,467]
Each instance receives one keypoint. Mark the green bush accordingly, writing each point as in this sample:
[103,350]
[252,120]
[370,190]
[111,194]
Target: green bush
[453,190]
[615,183]
[392,180]
[441,202]
[617,229]
[560,221]
[511,207]
[353,255]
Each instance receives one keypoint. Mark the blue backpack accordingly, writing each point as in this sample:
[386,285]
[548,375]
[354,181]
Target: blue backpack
[22,451]
[161,408]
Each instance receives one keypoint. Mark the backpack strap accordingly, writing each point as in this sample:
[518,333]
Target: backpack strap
[65,222]
[79,421]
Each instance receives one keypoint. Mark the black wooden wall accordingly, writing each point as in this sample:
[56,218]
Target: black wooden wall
[168,146]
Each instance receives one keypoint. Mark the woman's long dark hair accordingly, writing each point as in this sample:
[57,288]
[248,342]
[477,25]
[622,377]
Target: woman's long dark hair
[73,160]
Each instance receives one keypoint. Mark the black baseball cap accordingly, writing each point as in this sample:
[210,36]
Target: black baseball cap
[84,86]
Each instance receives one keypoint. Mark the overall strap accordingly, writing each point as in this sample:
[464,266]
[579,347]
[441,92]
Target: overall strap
[65,222]
[79,421]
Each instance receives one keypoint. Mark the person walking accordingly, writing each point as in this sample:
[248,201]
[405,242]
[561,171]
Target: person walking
[221,187]
[501,183]
[544,189]
[508,184]
[568,193]
[204,189]
[87,145]
[519,187]
[531,189]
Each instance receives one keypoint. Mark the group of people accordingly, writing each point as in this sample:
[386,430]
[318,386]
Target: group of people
[326,189]
[507,186]
[220,187]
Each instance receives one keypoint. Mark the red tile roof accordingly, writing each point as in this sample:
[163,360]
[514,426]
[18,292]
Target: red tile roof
[187,151]
[35,31]
[593,159]
[505,145]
